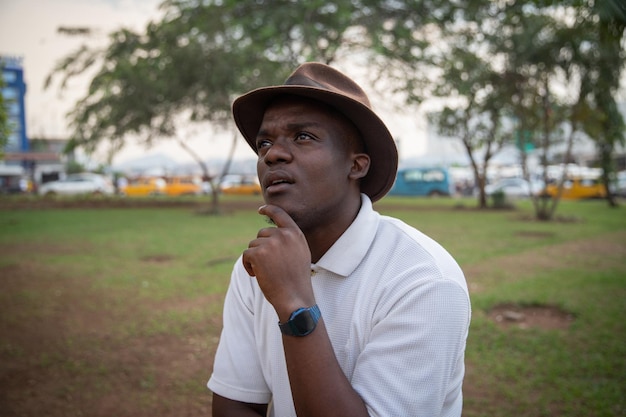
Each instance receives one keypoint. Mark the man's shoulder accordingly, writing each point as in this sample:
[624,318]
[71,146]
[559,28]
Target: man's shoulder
[400,231]
[406,245]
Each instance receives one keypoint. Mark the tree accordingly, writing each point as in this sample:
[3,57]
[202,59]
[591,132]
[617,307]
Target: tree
[604,62]
[478,123]
[568,54]
[477,114]
[147,86]
[534,54]
[450,56]
[493,61]
[187,67]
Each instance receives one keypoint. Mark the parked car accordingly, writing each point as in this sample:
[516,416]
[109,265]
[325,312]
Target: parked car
[177,186]
[577,188]
[75,184]
[145,186]
[422,181]
[514,187]
[241,185]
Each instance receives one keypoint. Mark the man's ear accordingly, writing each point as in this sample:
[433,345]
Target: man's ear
[360,166]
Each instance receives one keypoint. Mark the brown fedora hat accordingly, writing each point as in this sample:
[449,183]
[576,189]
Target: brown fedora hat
[327,85]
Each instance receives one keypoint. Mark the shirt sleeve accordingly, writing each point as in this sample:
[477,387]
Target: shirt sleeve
[237,372]
[413,363]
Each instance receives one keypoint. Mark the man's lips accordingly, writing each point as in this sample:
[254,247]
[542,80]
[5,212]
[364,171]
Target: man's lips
[276,181]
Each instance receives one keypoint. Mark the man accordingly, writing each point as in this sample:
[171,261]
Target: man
[335,311]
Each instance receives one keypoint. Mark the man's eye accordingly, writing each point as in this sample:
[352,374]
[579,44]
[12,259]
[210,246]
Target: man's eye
[262,143]
[303,136]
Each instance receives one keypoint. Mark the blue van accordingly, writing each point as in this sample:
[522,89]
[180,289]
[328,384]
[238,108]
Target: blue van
[433,181]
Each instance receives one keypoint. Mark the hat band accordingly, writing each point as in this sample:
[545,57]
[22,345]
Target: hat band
[297,79]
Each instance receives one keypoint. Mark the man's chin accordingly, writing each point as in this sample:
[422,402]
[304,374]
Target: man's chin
[284,205]
[278,200]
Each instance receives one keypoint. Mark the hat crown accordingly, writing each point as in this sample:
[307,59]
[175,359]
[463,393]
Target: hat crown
[316,75]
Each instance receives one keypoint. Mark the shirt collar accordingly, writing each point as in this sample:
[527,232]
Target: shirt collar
[347,252]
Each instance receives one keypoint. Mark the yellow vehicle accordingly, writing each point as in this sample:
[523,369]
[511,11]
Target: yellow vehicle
[140,187]
[177,186]
[577,188]
[241,185]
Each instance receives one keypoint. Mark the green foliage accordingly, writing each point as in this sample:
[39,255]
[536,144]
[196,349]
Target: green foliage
[188,66]
[499,199]
[73,167]
[492,62]
[498,61]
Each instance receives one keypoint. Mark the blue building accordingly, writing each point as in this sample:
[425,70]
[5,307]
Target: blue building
[14,92]
[23,158]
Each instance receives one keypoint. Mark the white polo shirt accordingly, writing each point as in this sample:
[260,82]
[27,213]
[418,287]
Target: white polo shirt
[396,308]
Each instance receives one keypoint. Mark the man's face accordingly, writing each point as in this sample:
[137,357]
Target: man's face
[306,151]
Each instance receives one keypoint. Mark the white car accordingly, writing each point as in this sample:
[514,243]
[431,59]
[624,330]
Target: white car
[515,187]
[75,184]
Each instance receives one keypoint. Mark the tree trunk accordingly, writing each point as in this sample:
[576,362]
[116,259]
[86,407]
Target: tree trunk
[606,151]
[215,206]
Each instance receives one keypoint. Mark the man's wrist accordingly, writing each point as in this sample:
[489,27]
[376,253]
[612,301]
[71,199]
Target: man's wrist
[301,321]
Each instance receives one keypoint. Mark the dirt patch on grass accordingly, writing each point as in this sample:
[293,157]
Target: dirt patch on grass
[545,317]
[534,234]
[158,259]
[588,253]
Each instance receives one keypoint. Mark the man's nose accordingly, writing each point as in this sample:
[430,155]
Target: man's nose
[279,151]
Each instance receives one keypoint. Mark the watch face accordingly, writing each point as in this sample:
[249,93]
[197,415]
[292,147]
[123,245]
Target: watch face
[303,323]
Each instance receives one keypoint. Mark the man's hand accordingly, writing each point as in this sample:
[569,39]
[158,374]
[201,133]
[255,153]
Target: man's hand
[280,259]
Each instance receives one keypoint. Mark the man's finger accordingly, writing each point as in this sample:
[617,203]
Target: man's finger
[247,262]
[278,216]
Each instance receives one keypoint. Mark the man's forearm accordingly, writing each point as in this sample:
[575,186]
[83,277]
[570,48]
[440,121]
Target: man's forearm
[318,385]
[224,407]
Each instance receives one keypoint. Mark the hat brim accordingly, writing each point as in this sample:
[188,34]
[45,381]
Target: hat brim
[248,111]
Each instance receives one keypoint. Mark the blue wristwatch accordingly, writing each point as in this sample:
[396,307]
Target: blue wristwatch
[301,322]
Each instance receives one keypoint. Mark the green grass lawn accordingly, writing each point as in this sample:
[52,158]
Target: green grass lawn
[102,301]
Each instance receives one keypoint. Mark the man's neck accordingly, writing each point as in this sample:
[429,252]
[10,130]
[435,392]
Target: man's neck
[321,240]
